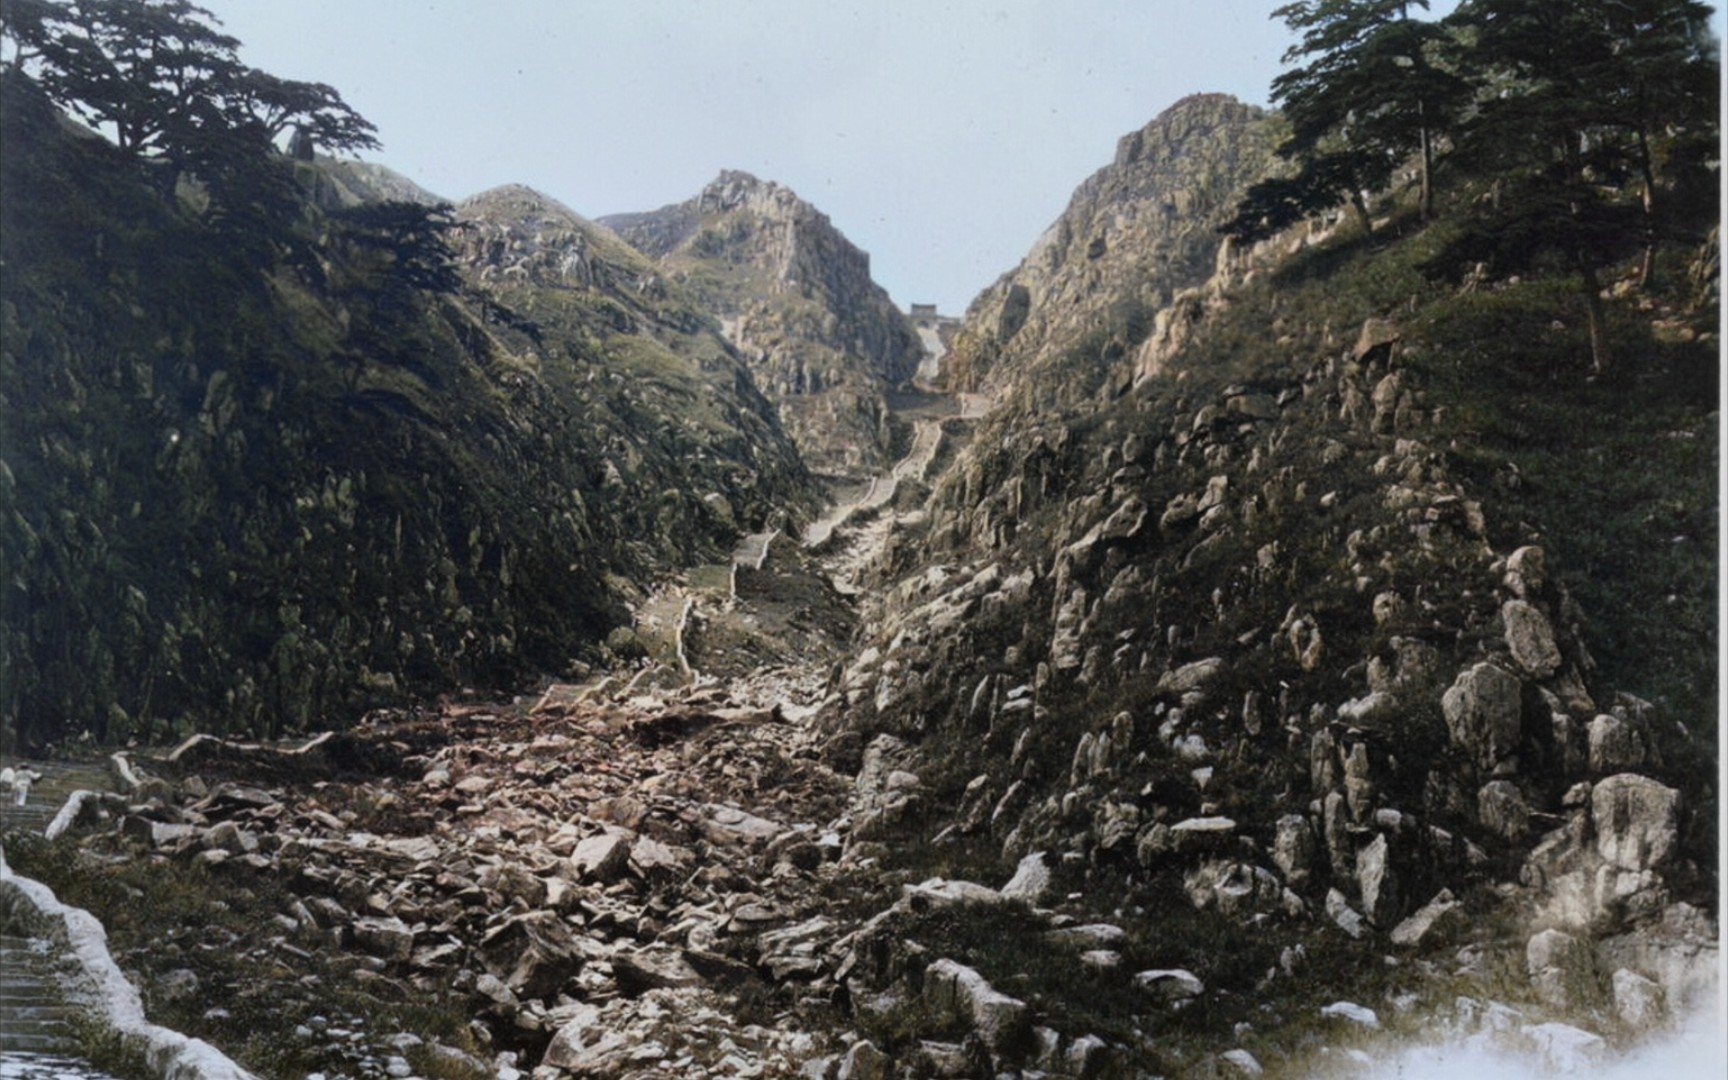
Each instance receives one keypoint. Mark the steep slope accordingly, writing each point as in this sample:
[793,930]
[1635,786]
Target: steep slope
[1252,625]
[823,340]
[252,486]
[1134,235]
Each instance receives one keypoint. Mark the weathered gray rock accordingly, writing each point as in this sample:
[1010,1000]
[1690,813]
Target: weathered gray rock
[1086,1058]
[1089,936]
[387,936]
[1375,879]
[533,953]
[1242,1062]
[602,857]
[656,967]
[1637,821]
[1345,917]
[1561,970]
[733,826]
[1566,1049]
[1001,1022]
[1501,809]
[1616,745]
[1191,676]
[1433,921]
[942,893]
[1526,572]
[1349,1011]
[863,1061]
[580,1039]
[1202,834]
[1236,888]
[1484,714]
[1031,880]
[1293,848]
[1530,638]
[1639,1002]
[1170,984]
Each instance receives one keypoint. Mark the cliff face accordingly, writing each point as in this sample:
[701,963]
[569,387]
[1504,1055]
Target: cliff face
[1064,324]
[822,339]
[255,486]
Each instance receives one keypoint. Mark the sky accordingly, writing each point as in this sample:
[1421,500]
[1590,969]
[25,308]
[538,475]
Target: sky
[940,137]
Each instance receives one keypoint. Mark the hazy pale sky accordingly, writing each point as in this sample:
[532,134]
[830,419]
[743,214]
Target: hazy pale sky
[941,137]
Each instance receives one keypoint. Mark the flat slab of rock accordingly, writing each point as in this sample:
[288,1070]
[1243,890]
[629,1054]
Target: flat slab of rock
[1354,1013]
[940,892]
[1434,918]
[729,825]
[1090,936]
[1171,984]
[1202,833]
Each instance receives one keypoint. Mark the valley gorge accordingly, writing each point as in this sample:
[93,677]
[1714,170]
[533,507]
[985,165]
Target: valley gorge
[624,648]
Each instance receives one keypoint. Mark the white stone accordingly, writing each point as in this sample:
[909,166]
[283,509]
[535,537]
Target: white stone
[1566,1049]
[1031,880]
[1356,1014]
[1172,984]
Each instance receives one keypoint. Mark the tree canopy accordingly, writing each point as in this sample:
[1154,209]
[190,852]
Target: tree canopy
[1572,119]
[1366,96]
[166,84]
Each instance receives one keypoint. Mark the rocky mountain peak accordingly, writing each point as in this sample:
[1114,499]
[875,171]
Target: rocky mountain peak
[822,338]
[1135,234]
[735,189]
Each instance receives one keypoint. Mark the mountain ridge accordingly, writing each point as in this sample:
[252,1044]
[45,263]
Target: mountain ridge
[796,298]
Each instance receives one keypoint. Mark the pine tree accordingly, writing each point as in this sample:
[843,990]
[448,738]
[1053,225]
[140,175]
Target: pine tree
[1367,95]
[1577,95]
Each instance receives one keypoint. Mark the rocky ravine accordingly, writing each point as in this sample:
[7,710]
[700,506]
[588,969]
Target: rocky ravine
[1200,721]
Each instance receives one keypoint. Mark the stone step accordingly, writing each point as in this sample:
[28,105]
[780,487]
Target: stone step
[33,1016]
[55,1041]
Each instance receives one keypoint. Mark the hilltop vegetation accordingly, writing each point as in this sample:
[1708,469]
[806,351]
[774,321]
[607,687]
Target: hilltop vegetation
[271,456]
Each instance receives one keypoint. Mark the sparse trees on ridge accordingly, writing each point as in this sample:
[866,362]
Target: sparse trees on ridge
[161,80]
[1583,101]
[1368,97]
[1575,114]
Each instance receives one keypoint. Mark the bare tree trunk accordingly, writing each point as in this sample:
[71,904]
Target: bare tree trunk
[1360,205]
[1647,268]
[1595,315]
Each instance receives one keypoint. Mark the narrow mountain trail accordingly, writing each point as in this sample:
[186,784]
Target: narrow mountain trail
[880,491]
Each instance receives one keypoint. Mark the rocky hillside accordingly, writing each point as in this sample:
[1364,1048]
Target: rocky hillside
[823,340]
[1276,640]
[254,481]
[1136,234]
[1309,650]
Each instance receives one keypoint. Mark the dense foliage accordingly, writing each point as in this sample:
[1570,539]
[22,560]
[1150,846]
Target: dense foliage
[1575,116]
[268,457]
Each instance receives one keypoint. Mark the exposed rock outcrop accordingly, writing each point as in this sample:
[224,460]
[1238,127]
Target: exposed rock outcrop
[796,298]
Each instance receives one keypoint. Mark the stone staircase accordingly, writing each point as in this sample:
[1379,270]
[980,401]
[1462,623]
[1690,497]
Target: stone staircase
[33,1018]
[47,795]
[37,1038]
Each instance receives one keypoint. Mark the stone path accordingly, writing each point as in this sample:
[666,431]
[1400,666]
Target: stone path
[930,368]
[33,1019]
[46,795]
[926,440]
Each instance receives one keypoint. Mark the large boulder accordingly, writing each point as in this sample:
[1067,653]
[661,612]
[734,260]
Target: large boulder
[1003,1023]
[1484,714]
[1637,821]
[1530,638]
